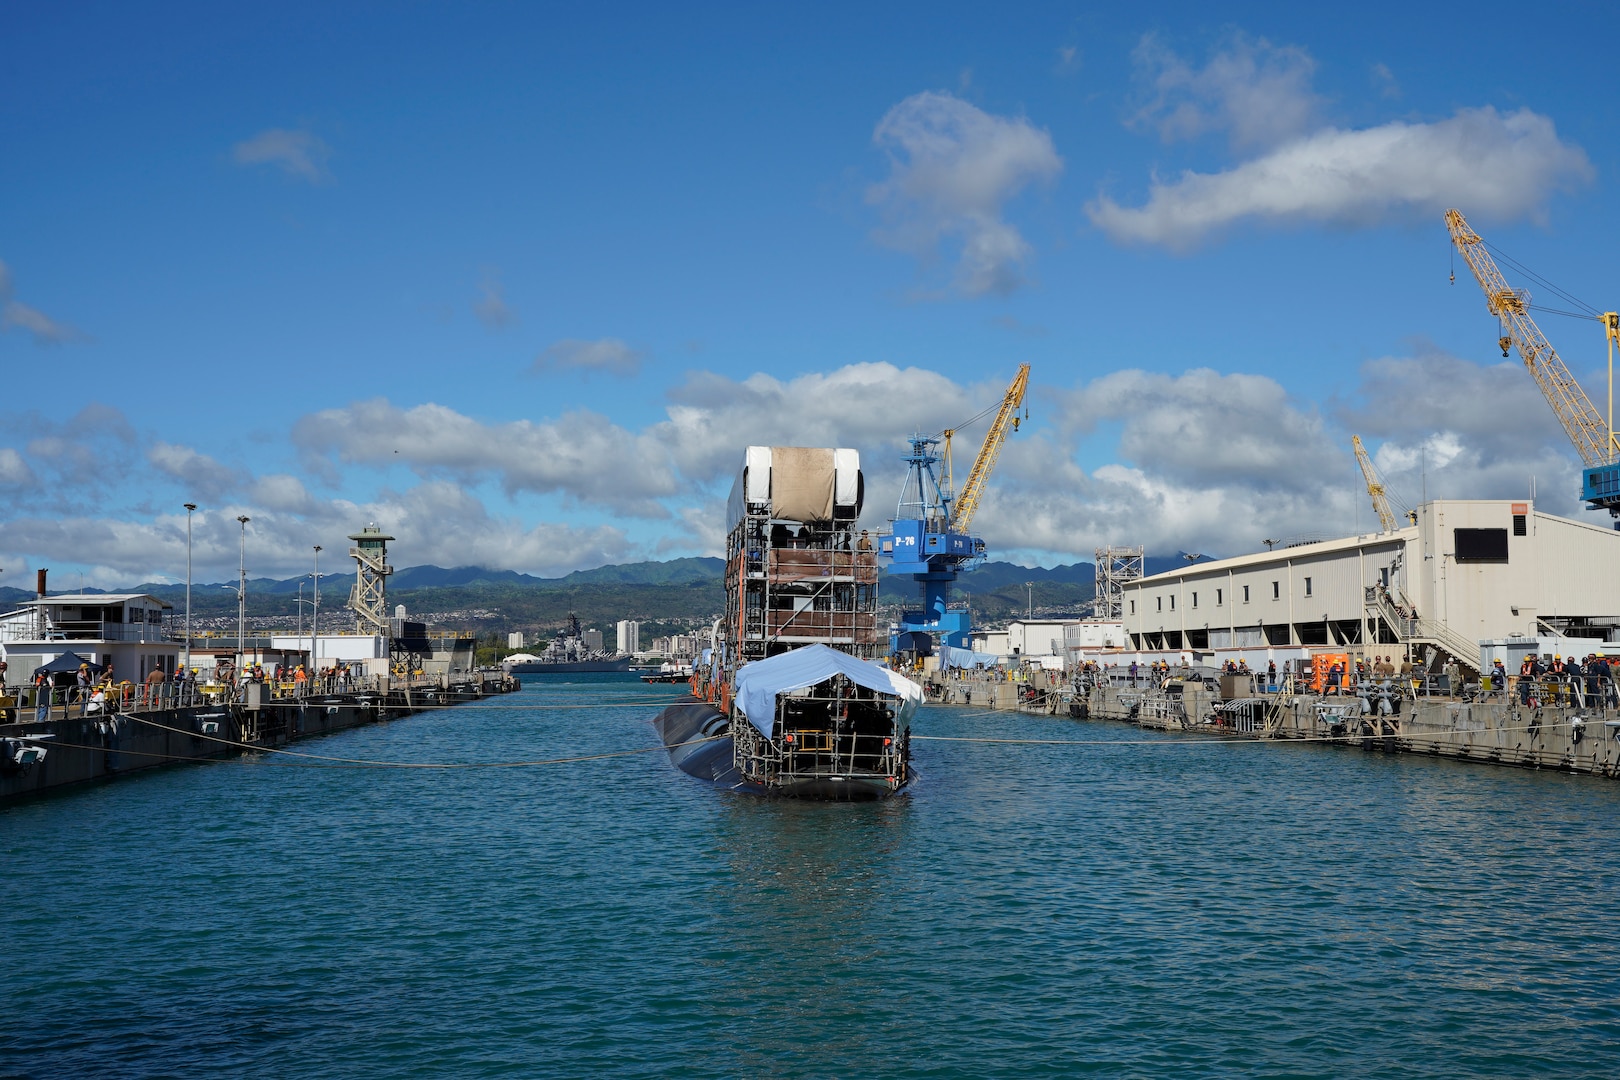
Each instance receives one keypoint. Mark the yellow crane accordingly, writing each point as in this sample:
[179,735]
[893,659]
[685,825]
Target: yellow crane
[963,508]
[1375,487]
[1593,438]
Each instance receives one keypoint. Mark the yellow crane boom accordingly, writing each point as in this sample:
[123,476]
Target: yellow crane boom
[1375,487]
[1594,439]
[1006,419]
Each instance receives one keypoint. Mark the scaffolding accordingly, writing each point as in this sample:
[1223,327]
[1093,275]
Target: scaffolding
[791,584]
[1116,567]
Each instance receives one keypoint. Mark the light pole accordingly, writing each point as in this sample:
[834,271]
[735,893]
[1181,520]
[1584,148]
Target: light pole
[191,508]
[1029,589]
[315,621]
[241,602]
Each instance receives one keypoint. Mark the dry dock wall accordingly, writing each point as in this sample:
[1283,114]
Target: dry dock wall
[84,749]
[1566,736]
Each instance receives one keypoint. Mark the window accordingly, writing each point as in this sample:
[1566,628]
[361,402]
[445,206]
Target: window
[1245,594]
[1307,586]
[1172,602]
[1161,602]
[1195,599]
[1481,545]
[1276,590]
[1217,598]
[1133,607]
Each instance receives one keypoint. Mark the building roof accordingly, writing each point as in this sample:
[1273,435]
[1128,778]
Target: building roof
[97,599]
[1261,558]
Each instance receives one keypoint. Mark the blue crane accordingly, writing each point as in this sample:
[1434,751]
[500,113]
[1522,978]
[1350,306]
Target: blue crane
[928,538]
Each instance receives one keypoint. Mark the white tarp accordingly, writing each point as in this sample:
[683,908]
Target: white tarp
[952,657]
[759,682]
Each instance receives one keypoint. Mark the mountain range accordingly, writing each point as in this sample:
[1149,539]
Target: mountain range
[664,596]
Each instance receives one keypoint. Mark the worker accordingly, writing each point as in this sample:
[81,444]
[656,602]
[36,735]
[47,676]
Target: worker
[865,542]
[1499,678]
[42,697]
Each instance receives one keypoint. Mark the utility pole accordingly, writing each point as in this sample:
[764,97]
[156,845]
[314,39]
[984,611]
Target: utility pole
[241,602]
[315,627]
[191,508]
[1029,590]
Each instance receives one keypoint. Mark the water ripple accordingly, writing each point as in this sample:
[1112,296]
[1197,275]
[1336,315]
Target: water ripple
[1222,910]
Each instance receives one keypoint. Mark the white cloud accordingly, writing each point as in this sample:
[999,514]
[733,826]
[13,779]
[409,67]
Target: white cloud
[1499,165]
[491,307]
[14,471]
[580,454]
[278,544]
[201,476]
[1201,461]
[952,167]
[13,312]
[1258,93]
[605,354]
[296,153]
[1203,428]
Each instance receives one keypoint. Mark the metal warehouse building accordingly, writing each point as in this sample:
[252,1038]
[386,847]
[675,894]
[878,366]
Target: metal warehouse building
[1466,571]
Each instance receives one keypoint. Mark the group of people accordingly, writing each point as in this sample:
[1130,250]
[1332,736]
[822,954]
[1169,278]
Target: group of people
[94,692]
[1588,680]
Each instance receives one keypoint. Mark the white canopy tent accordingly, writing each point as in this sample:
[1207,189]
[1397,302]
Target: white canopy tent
[761,682]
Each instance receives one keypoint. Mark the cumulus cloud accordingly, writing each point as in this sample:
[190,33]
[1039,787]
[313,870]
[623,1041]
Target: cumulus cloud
[1199,460]
[491,307]
[605,354]
[299,154]
[117,551]
[953,166]
[1411,412]
[200,475]
[1501,165]
[1258,93]
[15,313]
[580,454]
[1202,428]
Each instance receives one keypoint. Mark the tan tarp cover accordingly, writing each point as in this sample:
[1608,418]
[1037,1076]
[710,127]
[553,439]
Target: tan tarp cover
[802,481]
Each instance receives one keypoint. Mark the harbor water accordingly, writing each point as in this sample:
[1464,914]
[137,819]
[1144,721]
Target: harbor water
[1114,902]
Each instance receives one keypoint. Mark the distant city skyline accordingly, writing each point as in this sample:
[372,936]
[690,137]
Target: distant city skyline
[520,283]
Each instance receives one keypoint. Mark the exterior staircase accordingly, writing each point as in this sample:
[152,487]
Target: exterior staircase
[1420,631]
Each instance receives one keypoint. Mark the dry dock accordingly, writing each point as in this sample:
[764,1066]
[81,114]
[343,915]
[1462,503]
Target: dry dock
[1561,728]
[37,756]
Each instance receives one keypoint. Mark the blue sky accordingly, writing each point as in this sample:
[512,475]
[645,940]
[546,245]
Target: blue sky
[519,281]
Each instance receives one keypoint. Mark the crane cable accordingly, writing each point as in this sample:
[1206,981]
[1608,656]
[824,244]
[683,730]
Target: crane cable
[367,763]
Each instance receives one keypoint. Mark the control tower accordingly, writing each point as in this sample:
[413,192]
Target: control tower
[369,598]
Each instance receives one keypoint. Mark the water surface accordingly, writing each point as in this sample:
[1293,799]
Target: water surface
[1124,904]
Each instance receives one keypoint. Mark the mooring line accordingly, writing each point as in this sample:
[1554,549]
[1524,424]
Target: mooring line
[367,763]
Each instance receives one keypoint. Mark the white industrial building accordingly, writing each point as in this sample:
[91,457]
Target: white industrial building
[131,631]
[1466,571]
